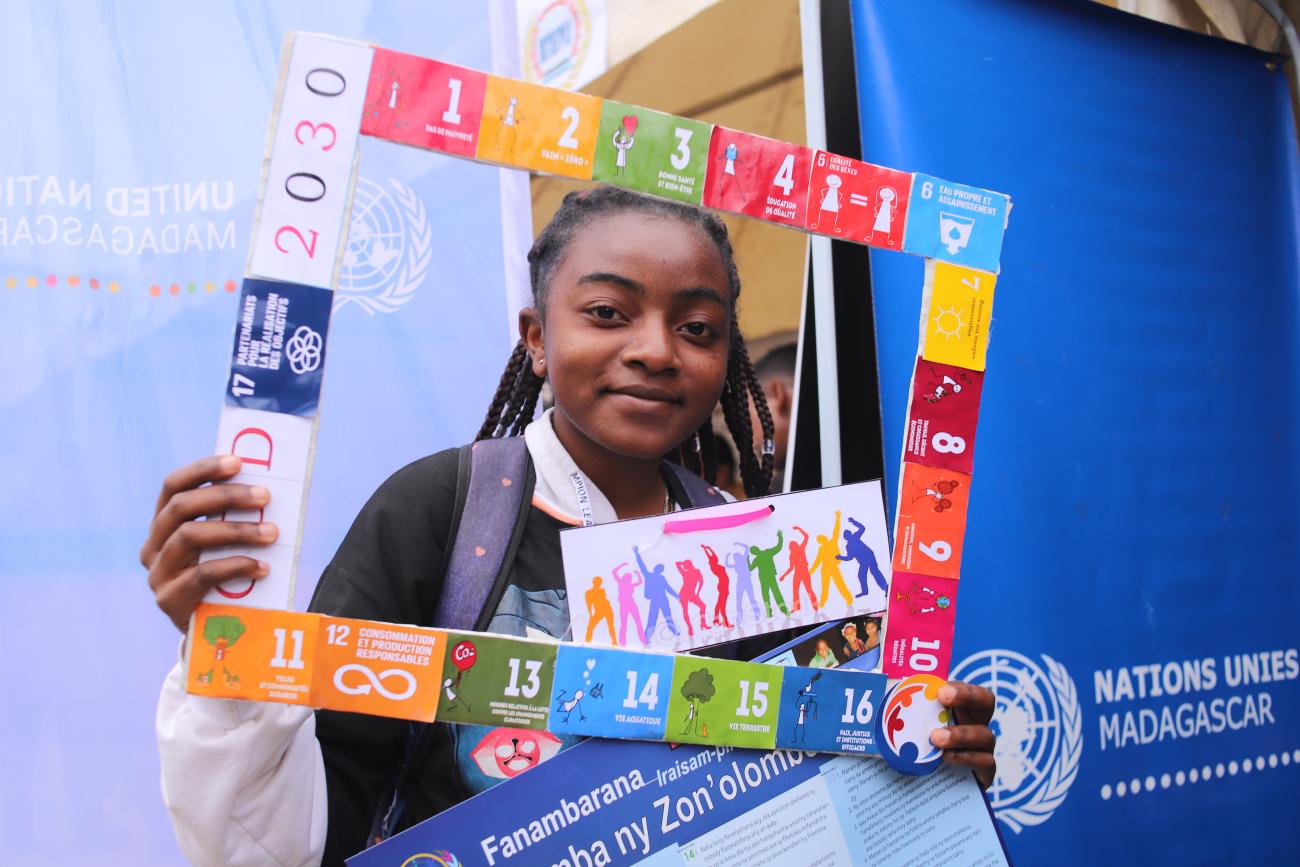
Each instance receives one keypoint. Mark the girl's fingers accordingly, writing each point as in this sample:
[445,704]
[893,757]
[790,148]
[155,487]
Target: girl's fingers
[190,504]
[214,468]
[970,737]
[984,765]
[181,550]
[178,597]
[972,704]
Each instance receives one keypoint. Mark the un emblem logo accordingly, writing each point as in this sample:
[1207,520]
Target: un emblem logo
[1039,729]
[390,245]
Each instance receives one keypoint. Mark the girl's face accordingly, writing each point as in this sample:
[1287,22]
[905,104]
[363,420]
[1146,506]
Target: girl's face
[635,339]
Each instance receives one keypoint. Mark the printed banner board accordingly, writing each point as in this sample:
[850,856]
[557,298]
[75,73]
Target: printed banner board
[614,803]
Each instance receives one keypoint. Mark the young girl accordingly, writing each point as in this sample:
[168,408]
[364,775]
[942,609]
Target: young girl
[634,328]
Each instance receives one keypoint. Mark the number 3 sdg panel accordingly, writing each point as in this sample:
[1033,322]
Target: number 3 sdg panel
[382,669]
[304,203]
[829,711]
[425,103]
[931,521]
[542,129]
[942,416]
[759,177]
[652,152]
[611,693]
[251,653]
[496,680]
[717,701]
[279,354]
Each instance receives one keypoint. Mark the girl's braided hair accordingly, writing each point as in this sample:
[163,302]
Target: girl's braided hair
[515,401]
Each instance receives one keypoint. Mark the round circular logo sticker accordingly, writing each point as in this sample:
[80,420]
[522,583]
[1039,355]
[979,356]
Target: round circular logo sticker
[910,712]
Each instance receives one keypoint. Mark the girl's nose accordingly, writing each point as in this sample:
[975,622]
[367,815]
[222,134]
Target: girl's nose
[651,346]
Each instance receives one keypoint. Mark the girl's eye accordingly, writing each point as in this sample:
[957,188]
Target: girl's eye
[603,311]
[699,329]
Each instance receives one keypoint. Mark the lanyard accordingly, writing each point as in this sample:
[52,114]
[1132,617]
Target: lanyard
[579,483]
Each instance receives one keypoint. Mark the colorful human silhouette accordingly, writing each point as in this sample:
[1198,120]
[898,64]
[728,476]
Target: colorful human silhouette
[799,568]
[724,589]
[627,581]
[857,550]
[657,590]
[738,560]
[764,562]
[692,582]
[827,559]
[599,609]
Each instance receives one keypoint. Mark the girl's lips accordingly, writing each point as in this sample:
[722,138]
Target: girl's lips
[647,393]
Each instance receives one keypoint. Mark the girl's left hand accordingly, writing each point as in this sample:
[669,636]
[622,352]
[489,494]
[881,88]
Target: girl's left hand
[969,742]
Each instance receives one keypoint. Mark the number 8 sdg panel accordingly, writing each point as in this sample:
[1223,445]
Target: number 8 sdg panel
[496,680]
[611,693]
[829,710]
[718,701]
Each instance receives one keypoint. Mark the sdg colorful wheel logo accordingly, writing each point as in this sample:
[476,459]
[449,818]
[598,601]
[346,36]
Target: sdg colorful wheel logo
[911,711]
[440,858]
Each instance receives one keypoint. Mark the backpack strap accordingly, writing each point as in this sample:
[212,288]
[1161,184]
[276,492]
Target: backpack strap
[488,530]
[698,491]
[494,487]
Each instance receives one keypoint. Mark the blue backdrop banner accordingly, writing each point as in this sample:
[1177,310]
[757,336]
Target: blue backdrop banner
[128,172]
[1129,587]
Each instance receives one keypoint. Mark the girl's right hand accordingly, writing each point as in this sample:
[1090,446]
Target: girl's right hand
[176,538]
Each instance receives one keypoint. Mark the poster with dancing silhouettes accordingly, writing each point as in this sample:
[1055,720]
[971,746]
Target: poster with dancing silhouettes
[707,576]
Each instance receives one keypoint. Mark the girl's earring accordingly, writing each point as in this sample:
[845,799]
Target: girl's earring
[695,443]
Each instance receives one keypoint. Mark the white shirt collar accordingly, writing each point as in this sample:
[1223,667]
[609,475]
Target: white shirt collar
[555,471]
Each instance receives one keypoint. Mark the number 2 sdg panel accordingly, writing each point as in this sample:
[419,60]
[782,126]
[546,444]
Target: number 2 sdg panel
[542,129]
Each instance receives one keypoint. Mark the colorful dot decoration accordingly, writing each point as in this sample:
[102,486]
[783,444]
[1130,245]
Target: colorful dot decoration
[75,281]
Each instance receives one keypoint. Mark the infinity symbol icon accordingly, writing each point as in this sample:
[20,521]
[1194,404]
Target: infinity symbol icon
[375,682]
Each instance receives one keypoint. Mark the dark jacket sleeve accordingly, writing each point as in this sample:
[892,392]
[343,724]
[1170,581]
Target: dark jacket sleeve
[388,568]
